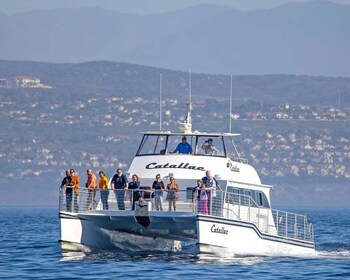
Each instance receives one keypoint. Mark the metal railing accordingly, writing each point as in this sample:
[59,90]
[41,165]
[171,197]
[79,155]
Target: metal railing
[270,221]
[117,200]
[228,205]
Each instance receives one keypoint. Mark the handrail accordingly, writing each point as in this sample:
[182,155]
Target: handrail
[115,200]
[281,223]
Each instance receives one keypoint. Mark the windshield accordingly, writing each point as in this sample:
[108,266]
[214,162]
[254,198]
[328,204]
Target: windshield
[189,144]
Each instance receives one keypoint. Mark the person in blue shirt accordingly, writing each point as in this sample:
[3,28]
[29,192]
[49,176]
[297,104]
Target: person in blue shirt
[183,147]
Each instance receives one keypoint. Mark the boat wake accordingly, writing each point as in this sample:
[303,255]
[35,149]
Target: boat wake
[341,254]
[128,242]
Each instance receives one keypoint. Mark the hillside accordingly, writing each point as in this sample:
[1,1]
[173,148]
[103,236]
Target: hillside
[295,129]
[129,80]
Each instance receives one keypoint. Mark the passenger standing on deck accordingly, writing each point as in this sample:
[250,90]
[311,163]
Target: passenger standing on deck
[158,187]
[104,191]
[120,184]
[203,196]
[195,193]
[91,185]
[76,184]
[67,182]
[172,188]
[134,186]
[183,147]
[214,201]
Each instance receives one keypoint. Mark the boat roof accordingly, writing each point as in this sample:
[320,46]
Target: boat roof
[195,133]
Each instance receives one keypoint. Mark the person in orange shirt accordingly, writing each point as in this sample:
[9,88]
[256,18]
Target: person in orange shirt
[104,189]
[76,183]
[91,184]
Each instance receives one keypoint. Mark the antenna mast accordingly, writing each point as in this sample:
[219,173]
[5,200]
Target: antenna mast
[230,104]
[186,125]
[190,92]
[160,101]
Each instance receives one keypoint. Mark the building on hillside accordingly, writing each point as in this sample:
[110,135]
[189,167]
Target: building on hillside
[5,83]
[26,81]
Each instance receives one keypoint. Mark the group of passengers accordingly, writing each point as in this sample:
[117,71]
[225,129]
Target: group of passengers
[71,182]
[119,184]
[204,194]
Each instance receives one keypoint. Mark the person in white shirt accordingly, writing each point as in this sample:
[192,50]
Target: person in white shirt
[208,147]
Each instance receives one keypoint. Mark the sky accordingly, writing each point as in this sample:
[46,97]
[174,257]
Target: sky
[141,7]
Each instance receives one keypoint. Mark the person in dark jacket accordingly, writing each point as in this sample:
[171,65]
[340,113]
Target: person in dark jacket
[120,184]
[158,187]
[134,186]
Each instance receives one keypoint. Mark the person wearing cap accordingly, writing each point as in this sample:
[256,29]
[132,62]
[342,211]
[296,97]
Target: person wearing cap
[208,147]
[183,147]
[120,184]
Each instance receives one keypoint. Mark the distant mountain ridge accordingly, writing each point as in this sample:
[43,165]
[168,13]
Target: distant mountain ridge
[310,38]
[130,80]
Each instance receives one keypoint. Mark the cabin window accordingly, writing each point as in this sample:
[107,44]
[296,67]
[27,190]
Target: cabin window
[233,195]
[174,140]
[152,145]
[247,193]
[210,146]
[259,198]
[246,198]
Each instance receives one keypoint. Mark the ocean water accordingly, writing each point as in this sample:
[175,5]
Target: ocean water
[29,249]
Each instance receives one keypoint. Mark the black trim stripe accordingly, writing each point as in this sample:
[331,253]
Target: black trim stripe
[70,216]
[275,238]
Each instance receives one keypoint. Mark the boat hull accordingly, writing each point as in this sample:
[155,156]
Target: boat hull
[239,238]
[127,232]
[165,233]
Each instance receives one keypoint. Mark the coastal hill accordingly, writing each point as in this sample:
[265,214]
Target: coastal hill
[294,129]
[130,80]
[296,38]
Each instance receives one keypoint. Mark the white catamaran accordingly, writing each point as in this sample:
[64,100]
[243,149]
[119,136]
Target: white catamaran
[241,223]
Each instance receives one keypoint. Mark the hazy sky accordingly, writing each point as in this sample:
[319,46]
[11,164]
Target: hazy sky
[143,7]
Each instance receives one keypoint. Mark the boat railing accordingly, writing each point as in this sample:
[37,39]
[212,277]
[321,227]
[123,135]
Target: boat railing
[275,222]
[231,206]
[239,159]
[115,200]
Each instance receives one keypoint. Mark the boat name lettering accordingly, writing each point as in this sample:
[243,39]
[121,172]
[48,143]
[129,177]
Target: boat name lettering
[154,165]
[221,230]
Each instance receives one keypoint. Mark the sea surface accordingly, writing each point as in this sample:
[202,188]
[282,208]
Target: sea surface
[29,249]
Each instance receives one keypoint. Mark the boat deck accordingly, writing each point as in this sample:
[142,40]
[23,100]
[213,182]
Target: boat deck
[234,207]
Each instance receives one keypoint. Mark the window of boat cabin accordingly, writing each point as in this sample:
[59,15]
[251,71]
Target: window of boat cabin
[259,198]
[165,144]
[233,195]
[152,144]
[210,145]
[247,192]
[174,140]
[247,196]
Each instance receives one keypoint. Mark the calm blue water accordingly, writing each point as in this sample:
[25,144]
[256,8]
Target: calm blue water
[29,249]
